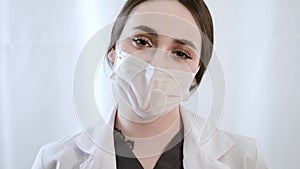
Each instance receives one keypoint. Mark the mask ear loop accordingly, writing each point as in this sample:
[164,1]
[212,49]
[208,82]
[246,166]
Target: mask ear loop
[194,88]
[120,58]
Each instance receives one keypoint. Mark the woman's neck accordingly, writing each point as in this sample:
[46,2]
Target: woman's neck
[150,138]
[132,125]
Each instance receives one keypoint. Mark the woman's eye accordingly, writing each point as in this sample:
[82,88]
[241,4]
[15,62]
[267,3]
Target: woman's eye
[141,42]
[182,54]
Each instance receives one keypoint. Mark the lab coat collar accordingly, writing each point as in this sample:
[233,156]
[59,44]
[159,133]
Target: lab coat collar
[205,154]
[98,142]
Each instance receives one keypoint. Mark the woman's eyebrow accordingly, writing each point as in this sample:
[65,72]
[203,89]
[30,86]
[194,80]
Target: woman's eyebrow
[147,29]
[152,32]
[185,42]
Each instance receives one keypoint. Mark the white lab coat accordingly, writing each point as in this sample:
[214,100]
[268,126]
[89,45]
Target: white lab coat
[221,151]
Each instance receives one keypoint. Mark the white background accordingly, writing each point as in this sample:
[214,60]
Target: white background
[258,43]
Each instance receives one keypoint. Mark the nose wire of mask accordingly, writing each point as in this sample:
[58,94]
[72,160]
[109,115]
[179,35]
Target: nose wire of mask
[148,90]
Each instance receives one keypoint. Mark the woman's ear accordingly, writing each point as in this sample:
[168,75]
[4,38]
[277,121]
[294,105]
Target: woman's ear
[194,82]
[112,55]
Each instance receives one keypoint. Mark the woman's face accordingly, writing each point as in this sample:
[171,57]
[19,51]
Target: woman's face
[164,34]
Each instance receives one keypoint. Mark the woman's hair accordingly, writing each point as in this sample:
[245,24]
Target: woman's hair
[201,15]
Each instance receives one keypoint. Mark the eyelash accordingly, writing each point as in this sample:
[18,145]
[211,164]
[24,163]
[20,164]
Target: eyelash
[141,42]
[144,42]
[183,54]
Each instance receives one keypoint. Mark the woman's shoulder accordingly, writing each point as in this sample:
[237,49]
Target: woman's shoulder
[245,151]
[244,142]
[63,144]
[59,154]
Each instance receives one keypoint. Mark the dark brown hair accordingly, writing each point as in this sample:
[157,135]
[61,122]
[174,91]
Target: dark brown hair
[202,17]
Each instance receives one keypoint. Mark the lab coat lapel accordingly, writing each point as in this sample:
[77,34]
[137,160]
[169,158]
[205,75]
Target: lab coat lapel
[98,142]
[203,155]
[194,157]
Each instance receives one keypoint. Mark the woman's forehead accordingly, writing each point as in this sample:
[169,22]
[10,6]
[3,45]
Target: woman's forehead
[163,20]
[170,7]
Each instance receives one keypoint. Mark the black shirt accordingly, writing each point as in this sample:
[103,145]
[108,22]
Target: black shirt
[170,159]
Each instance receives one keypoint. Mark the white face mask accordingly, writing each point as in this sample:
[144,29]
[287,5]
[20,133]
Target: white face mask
[149,91]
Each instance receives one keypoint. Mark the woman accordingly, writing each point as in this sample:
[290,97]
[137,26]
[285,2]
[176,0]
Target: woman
[159,52]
